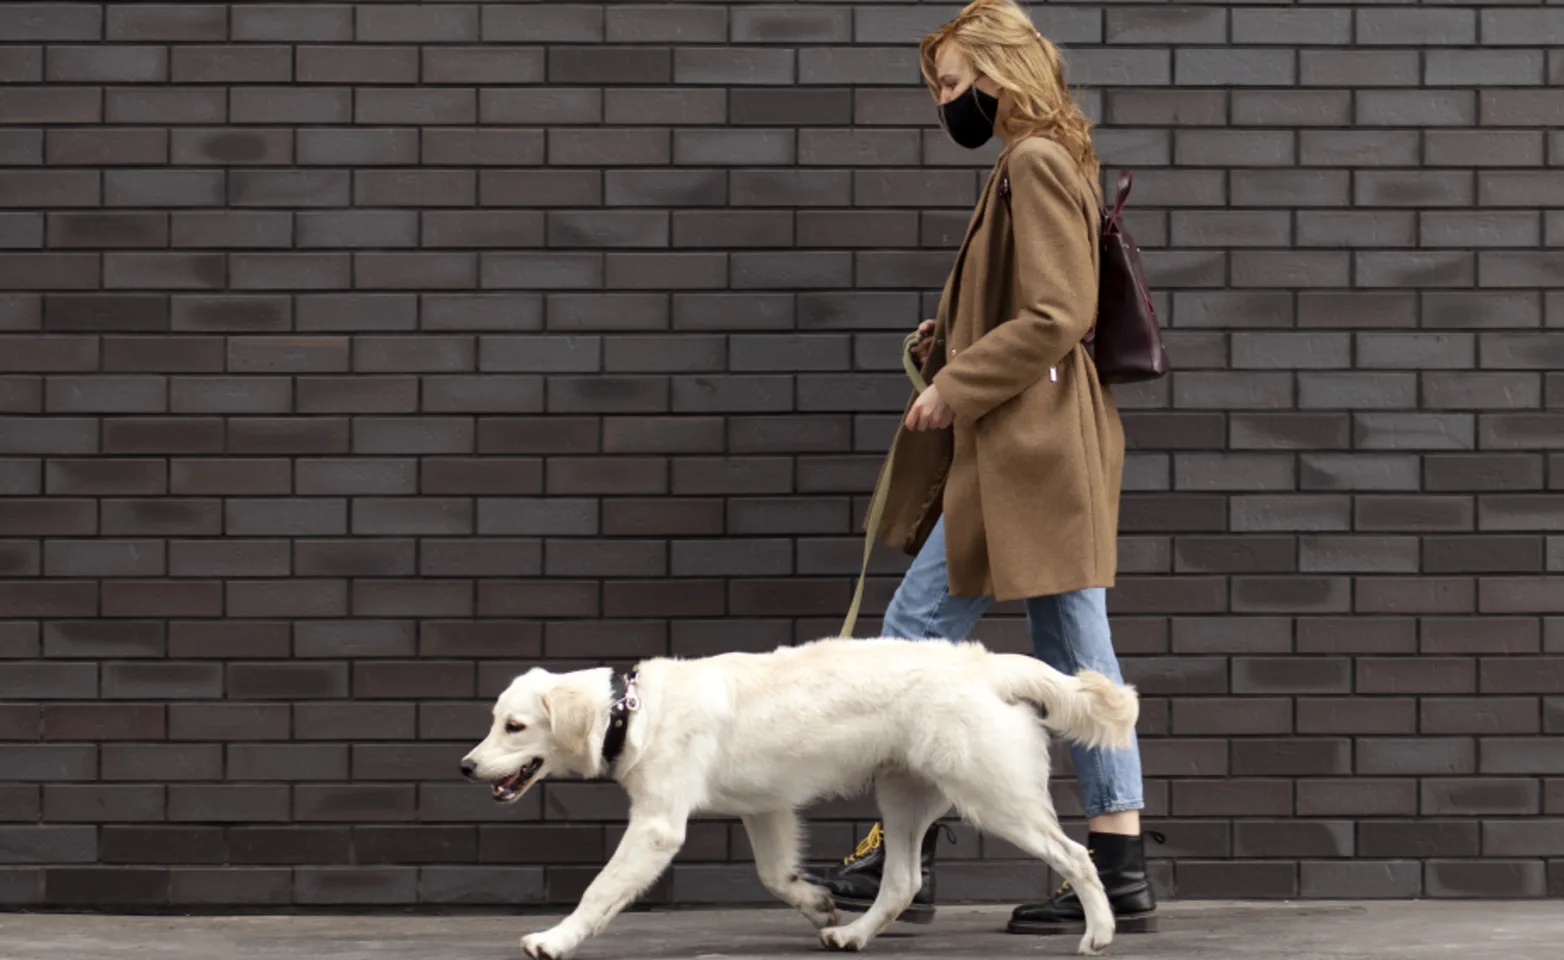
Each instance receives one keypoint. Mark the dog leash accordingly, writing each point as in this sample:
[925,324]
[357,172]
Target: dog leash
[881,486]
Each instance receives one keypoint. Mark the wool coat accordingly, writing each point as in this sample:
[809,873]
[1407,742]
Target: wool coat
[1028,475]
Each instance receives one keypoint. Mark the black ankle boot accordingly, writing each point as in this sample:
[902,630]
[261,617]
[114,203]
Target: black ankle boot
[1121,863]
[856,883]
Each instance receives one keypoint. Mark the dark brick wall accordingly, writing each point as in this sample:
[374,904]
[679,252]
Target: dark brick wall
[357,355]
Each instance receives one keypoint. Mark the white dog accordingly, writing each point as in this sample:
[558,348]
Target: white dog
[760,735]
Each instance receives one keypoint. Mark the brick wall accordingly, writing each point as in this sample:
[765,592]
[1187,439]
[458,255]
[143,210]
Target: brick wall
[356,356]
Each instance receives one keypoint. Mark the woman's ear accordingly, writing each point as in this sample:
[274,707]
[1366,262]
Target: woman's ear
[571,716]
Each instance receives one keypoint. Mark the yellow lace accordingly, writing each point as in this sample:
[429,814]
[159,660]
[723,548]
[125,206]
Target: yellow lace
[867,845]
[1066,885]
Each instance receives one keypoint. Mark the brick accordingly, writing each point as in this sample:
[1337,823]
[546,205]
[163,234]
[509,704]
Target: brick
[1482,555]
[1470,797]
[576,312]
[1429,188]
[1395,879]
[856,65]
[555,106]
[369,65]
[1414,431]
[36,762]
[1231,67]
[1486,878]
[1517,108]
[53,271]
[1176,25]
[1196,717]
[1486,715]
[22,188]
[413,188]
[1460,68]
[1297,512]
[732,66]
[119,64]
[1415,108]
[1232,797]
[1289,188]
[557,23]
[228,803]
[227,146]
[100,803]
[689,517]
[21,147]
[537,435]
[481,885]
[288,188]
[1294,838]
[663,107]
[1314,756]
[1520,351]
[24,65]
[1194,635]
[804,188]
[1491,472]
[1487,148]
[480,312]
[1390,27]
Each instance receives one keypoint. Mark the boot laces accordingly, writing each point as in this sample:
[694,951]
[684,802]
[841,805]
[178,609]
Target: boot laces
[867,845]
[1065,887]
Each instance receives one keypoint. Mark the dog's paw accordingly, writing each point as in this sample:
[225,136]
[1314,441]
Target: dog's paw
[547,945]
[839,938]
[1095,941]
[821,911]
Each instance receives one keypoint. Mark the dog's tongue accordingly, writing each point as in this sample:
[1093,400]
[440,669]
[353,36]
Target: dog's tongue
[507,786]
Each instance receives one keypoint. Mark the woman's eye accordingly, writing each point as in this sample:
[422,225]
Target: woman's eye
[514,727]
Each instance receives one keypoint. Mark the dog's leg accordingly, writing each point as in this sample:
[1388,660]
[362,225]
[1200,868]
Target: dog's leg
[1035,829]
[774,839]
[649,844]
[908,807]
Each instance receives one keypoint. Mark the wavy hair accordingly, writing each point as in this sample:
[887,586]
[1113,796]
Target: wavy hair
[999,40]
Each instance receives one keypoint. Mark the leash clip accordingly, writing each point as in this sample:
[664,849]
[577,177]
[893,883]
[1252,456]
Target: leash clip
[631,701]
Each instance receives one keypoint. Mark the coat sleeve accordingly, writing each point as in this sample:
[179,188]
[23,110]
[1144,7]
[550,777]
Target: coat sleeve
[1057,275]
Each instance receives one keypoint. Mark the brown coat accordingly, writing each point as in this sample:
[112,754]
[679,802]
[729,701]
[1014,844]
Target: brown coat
[1028,476]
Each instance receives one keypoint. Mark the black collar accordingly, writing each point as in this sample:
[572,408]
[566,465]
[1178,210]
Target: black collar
[625,703]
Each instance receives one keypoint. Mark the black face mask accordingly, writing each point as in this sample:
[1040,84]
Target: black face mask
[969,118]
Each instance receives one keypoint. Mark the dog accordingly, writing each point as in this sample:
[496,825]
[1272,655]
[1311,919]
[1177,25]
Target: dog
[930,725]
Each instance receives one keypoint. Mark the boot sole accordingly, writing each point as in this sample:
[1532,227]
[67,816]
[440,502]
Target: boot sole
[916,913]
[1134,923]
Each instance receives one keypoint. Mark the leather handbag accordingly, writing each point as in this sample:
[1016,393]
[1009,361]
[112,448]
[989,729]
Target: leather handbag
[1125,342]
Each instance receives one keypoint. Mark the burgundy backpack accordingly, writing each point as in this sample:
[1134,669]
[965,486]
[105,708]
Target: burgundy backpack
[1125,342]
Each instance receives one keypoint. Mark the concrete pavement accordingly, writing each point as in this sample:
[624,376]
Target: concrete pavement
[1383,930]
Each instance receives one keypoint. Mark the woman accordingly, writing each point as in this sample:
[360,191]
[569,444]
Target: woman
[1005,474]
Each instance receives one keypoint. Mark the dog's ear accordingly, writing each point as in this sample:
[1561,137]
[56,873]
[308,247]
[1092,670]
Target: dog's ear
[571,715]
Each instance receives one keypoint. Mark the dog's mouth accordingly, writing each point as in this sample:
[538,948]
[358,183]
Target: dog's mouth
[507,790]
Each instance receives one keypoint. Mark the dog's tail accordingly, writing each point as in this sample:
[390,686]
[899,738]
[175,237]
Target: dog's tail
[1088,708]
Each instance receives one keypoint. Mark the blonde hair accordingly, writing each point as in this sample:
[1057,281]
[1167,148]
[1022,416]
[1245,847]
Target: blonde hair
[998,39]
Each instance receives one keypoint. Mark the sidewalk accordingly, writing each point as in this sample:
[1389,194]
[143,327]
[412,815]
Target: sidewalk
[1422,930]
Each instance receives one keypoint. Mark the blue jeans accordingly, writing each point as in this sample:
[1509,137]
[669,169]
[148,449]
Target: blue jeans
[1069,633]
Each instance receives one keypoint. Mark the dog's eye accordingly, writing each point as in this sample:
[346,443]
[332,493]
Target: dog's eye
[514,727]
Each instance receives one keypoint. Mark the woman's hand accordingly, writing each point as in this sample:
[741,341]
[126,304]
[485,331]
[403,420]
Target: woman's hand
[930,411]
[920,350]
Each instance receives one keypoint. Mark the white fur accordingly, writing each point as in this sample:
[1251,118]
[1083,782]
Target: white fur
[930,724]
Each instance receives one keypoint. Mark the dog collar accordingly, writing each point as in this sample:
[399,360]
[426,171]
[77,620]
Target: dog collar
[626,702]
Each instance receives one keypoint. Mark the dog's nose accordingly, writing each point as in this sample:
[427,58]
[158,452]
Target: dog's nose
[468,766]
